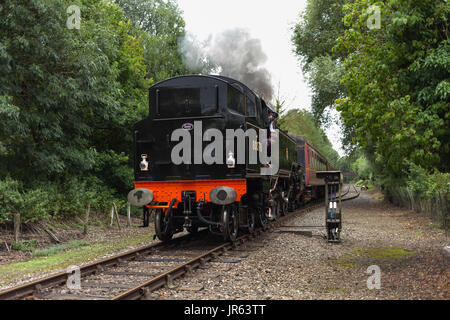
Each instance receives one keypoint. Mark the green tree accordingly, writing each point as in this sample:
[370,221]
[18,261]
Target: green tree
[67,99]
[302,123]
[397,83]
[161,27]
[316,33]
[363,168]
[314,37]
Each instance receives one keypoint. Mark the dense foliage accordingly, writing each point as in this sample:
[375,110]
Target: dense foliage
[161,27]
[390,84]
[397,81]
[301,122]
[314,38]
[68,98]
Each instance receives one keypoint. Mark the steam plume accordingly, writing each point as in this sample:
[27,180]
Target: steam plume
[232,53]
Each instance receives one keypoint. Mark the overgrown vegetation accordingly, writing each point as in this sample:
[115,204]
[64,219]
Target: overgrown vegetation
[391,87]
[69,97]
[72,253]
[302,122]
[60,247]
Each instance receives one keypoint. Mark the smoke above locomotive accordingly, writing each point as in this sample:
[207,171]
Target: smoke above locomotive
[232,53]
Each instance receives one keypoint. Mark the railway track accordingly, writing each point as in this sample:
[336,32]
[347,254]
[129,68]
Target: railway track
[135,274]
[33,289]
[143,291]
[353,197]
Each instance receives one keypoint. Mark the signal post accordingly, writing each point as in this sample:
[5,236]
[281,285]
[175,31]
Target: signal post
[333,203]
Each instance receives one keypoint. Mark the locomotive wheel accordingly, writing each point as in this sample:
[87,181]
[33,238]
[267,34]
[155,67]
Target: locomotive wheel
[251,220]
[291,206]
[163,230]
[261,218]
[277,210]
[146,217]
[301,202]
[230,222]
[274,211]
[283,208]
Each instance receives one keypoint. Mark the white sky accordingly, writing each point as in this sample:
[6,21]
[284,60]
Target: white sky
[269,21]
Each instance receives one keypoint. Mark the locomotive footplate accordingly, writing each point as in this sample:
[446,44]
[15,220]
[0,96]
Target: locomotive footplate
[333,204]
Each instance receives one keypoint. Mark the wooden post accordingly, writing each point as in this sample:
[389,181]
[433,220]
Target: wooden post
[16,227]
[117,215]
[86,219]
[112,215]
[128,215]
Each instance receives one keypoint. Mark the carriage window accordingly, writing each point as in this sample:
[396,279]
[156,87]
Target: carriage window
[235,100]
[185,102]
[251,107]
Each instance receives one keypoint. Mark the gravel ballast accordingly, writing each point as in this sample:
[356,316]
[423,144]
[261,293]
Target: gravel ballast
[401,243]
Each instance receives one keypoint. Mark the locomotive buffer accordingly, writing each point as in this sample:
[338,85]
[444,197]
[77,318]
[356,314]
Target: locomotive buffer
[333,203]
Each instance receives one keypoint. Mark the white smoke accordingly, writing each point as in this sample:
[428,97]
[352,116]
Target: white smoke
[232,53]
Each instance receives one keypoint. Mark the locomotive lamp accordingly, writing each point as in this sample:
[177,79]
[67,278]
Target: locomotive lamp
[144,163]
[231,162]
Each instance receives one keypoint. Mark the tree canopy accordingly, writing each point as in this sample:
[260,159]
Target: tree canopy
[68,97]
[390,84]
[397,83]
[313,38]
[301,122]
[161,28]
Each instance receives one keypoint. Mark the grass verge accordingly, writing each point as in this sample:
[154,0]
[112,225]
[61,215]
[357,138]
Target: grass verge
[73,253]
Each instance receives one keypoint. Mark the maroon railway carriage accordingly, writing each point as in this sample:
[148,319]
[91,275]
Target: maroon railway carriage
[312,161]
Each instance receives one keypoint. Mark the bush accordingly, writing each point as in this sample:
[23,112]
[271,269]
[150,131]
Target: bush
[424,192]
[65,198]
[27,245]
[31,204]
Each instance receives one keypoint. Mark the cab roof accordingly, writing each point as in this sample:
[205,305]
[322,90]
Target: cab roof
[230,81]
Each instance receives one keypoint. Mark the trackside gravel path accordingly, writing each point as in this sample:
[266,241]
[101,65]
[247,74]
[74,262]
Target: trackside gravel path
[403,244]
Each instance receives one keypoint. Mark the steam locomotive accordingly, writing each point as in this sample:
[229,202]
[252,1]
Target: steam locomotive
[201,159]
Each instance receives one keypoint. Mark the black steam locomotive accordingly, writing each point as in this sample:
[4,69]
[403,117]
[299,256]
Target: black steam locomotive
[201,159]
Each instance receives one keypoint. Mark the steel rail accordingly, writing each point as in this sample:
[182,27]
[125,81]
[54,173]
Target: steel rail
[354,197]
[143,290]
[33,288]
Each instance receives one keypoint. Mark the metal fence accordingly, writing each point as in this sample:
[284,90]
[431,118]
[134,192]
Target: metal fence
[436,206]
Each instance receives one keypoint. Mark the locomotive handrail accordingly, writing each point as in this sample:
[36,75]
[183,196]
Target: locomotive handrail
[190,118]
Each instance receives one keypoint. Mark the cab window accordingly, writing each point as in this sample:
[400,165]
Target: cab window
[251,106]
[189,101]
[235,100]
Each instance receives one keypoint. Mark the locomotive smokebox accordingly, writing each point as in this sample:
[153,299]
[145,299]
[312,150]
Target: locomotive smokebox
[140,197]
[223,195]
